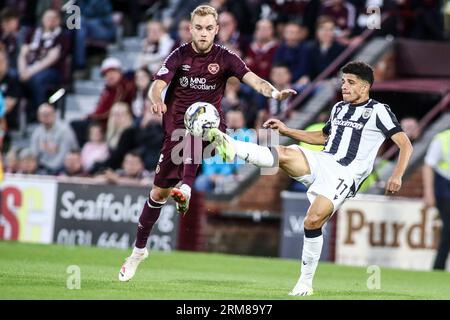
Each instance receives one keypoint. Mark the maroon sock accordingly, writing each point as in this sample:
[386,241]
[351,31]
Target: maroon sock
[189,174]
[150,214]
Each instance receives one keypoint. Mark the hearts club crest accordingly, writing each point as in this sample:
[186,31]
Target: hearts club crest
[213,68]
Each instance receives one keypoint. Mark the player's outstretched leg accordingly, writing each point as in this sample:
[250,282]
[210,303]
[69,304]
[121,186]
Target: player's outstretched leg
[181,196]
[150,214]
[228,147]
[318,213]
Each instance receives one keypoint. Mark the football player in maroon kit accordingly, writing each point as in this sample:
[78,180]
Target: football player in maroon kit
[196,71]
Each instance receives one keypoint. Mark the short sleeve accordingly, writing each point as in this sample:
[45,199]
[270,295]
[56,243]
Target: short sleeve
[387,122]
[237,67]
[327,128]
[434,153]
[169,67]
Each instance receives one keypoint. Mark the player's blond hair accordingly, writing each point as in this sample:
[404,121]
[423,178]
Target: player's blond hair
[204,10]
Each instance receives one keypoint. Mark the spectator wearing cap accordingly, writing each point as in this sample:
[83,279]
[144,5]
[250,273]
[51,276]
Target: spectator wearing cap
[156,47]
[117,89]
[96,24]
[51,140]
[40,60]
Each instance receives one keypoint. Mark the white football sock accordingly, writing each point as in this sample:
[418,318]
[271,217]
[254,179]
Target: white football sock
[138,250]
[312,247]
[255,154]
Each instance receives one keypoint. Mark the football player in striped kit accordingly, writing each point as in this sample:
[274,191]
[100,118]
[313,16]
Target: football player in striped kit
[357,127]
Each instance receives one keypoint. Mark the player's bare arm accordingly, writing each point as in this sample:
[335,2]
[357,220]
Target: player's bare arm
[311,137]
[404,144]
[158,106]
[266,88]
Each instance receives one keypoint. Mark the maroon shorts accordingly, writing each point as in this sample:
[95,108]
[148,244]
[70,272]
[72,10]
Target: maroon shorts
[175,154]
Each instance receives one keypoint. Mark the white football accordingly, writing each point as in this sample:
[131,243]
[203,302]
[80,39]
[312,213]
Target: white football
[200,117]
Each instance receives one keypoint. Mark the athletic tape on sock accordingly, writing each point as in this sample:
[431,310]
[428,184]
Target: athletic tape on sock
[313,233]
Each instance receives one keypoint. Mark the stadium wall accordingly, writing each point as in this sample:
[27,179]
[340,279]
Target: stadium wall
[45,210]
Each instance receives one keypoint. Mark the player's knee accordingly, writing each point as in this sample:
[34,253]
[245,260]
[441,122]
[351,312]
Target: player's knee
[159,195]
[282,155]
[313,221]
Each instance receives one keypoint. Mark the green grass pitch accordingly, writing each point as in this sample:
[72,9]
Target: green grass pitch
[29,271]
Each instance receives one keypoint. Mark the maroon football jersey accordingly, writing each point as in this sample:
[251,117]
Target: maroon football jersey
[196,77]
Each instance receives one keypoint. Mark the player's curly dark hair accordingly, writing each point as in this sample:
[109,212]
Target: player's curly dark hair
[361,69]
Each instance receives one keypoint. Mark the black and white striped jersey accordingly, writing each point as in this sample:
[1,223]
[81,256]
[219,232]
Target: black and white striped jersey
[356,132]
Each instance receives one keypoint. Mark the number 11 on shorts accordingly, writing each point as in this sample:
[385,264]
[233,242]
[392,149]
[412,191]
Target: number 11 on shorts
[341,184]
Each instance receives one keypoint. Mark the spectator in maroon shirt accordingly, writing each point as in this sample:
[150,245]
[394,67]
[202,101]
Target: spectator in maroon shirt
[117,89]
[262,50]
[40,60]
[344,15]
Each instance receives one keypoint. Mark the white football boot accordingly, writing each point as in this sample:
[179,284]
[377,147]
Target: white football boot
[130,266]
[301,289]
